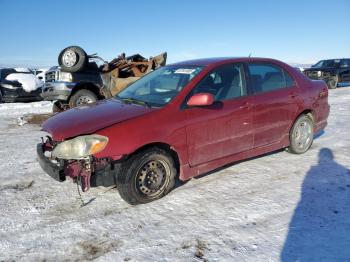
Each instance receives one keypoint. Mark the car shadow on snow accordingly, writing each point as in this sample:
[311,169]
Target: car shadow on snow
[319,230]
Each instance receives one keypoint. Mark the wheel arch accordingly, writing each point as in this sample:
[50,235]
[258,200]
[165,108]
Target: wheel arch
[168,148]
[88,86]
[308,112]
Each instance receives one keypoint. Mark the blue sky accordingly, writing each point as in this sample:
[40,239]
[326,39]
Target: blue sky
[34,31]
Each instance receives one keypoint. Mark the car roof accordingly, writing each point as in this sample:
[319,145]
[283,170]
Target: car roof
[332,59]
[222,60]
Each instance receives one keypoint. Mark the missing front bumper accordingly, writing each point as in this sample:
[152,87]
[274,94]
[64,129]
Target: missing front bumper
[53,170]
[103,173]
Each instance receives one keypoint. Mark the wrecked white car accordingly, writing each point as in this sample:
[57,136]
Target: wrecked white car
[19,85]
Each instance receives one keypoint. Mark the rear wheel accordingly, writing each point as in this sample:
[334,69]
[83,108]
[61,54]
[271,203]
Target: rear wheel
[301,135]
[147,176]
[82,97]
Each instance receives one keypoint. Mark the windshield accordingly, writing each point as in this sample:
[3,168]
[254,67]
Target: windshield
[160,86]
[327,63]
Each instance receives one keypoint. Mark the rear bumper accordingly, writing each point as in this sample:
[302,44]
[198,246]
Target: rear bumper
[57,91]
[341,84]
[320,126]
[20,95]
[322,122]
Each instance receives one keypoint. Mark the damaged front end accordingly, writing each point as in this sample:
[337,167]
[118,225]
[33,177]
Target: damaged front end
[87,171]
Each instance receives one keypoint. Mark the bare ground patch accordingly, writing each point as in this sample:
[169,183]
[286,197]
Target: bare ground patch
[95,249]
[35,119]
[18,186]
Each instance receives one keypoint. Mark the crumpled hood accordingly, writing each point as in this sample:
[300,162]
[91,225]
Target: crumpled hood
[90,118]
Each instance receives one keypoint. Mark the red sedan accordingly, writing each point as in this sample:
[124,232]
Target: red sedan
[183,120]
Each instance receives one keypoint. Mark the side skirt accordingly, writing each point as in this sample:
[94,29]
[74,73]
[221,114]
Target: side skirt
[189,172]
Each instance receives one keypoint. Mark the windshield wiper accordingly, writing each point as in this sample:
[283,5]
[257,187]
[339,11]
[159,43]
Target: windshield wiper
[135,101]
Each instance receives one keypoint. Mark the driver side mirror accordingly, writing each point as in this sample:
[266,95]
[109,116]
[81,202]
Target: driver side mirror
[201,99]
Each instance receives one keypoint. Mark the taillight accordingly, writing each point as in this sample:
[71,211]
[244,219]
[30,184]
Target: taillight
[323,92]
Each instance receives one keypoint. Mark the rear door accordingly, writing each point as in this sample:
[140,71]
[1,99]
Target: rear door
[274,102]
[223,128]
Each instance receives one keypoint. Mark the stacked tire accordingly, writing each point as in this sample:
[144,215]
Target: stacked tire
[73,59]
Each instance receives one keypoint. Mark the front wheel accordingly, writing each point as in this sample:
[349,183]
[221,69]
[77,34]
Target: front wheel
[301,135]
[147,176]
[332,83]
[82,97]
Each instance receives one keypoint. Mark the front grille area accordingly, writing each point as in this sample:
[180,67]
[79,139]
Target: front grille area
[50,76]
[318,74]
[312,74]
[326,74]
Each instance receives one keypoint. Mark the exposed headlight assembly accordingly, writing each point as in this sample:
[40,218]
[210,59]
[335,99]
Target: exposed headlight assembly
[80,147]
[66,77]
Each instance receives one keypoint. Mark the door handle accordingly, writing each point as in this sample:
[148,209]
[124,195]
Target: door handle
[293,95]
[246,105]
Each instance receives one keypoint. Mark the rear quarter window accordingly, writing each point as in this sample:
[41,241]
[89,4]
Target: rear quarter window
[289,80]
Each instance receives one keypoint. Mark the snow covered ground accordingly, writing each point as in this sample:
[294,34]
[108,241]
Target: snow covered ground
[279,206]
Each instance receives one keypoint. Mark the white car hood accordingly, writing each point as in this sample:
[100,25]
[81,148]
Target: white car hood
[29,81]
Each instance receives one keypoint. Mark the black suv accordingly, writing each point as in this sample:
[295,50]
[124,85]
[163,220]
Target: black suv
[335,72]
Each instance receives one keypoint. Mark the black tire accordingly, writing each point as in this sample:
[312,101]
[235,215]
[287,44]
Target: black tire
[1,97]
[72,59]
[56,108]
[59,107]
[332,82]
[82,97]
[301,135]
[148,163]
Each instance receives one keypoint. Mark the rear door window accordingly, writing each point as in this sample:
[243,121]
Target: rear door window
[265,77]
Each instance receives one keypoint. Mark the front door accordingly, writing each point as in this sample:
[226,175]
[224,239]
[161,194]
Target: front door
[224,128]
